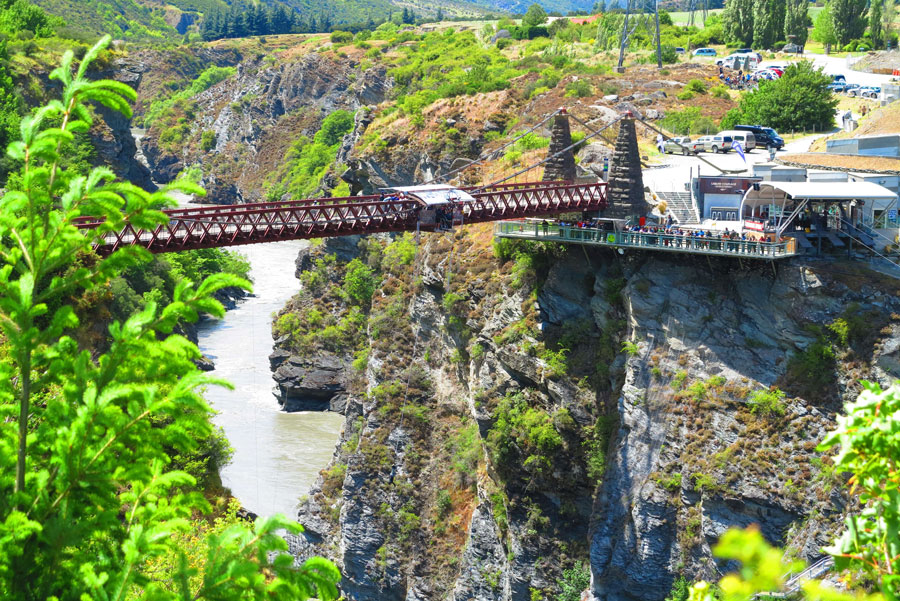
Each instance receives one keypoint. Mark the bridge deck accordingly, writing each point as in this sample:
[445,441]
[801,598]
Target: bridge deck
[534,230]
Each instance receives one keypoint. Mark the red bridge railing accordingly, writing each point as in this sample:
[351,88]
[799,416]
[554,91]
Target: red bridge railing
[231,225]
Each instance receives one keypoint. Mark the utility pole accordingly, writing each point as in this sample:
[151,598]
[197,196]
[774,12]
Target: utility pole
[658,48]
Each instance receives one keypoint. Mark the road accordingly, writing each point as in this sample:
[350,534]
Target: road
[835,65]
[678,170]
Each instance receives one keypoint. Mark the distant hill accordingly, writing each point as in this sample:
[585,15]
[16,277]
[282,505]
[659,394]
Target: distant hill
[143,19]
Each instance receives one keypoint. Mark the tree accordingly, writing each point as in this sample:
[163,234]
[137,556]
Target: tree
[87,496]
[795,29]
[737,21]
[777,16]
[848,18]
[876,31]
[534,17]
[762,24]
[799,100]
[440,15]
[889,12]
[823,28]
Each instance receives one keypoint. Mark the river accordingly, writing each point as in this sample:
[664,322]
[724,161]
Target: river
[277,455]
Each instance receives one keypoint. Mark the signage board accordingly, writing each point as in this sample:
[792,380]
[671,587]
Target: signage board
[725,185]
[755,225]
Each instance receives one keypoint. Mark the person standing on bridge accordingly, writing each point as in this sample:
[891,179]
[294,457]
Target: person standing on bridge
[659,143]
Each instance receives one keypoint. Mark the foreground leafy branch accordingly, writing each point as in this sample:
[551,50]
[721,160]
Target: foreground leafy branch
[86,499]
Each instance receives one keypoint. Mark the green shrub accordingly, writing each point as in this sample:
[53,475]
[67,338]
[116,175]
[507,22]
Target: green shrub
[697,86]
[573,582]
[359,282]
[811,373]
[208,141]
[341,37]
[685,95]
[522,436]
[768,403]
[580,88]
[720,91]
[671,483]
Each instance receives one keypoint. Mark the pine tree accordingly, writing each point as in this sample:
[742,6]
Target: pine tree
[848,19]
[440,15]
[875,25]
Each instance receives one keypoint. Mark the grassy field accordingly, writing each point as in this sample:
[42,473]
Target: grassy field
[684,17]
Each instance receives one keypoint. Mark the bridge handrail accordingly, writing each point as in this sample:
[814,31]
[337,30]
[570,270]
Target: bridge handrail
[709,244]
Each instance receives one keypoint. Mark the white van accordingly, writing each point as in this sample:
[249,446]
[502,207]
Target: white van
[747,139]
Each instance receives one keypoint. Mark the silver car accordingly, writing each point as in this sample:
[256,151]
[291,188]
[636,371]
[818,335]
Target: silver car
[681,145]
[717,143]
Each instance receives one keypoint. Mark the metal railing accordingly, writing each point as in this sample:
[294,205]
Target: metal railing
[708,245]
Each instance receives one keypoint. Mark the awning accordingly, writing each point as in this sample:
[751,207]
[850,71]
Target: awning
[434,194]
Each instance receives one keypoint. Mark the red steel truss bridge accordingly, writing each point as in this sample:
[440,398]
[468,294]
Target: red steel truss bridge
[232,225]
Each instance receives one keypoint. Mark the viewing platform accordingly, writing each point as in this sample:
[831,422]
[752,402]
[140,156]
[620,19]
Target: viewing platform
[619,238]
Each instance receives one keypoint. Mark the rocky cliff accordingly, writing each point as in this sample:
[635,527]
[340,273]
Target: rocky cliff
[516,417]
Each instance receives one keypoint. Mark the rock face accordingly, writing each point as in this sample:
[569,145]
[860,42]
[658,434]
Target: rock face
[112,139]
[665,356]
[252,113]
[305,385]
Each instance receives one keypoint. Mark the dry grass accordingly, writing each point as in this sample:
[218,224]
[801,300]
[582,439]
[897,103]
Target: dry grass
[879,121]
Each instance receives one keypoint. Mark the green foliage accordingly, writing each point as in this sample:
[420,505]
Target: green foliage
[87,494]
[21,16]
[696,85]
[848,19]
[534,16]
[573,582]
[630,348]
[811,372]
[823,27]
[555,361]
[580,88]
[465,449]
[679,380]
[359,282]
[680,590]
[401,252]
[687,121]
[307,161]
[207,140]
[719,91]
[444,504]
[522,435]
[671,483]
[797,101]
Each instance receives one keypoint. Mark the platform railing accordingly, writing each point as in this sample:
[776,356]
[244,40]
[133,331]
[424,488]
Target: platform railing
[707,245]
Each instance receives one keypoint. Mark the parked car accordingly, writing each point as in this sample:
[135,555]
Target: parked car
[837,86]
[679,50]
[839,77]
[737,60]
[767,74]
[852,89]
[700,144]
[718,143]
[705,52]
[746,138]
[870,92]
[678,145]
[793,48]
[765,136]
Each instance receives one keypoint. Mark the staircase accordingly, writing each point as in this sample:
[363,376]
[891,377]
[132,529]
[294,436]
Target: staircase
[680,206]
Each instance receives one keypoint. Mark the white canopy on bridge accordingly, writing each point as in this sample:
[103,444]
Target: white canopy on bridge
[435,194]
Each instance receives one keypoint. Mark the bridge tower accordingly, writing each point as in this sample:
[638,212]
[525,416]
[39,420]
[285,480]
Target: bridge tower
[626,183]
[562,167]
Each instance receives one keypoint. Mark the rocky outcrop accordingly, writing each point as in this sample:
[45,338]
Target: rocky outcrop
[687,458]
[309,385]
[251,114]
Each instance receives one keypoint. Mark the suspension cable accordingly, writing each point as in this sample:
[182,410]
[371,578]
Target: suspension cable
[551,157]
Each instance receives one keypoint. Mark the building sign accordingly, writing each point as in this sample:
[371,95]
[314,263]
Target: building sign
[755,225]
[725,185]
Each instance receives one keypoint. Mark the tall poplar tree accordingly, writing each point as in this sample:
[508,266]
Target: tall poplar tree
[795,22]
[848,19]
[875,26]
[737,21]
[762,24]
[823,28]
